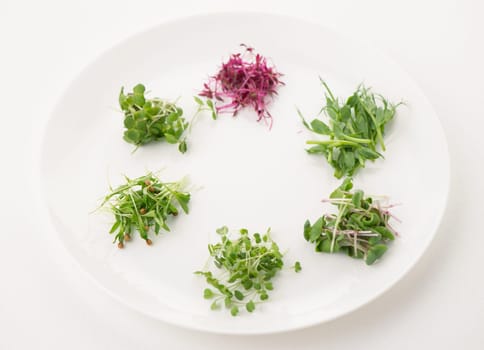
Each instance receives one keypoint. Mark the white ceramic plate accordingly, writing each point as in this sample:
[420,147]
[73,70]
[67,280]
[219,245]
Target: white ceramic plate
[243,174]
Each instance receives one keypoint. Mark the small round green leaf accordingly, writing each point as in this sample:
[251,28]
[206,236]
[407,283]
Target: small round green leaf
[208,293]
[250,306]
[234,310]
[239,295]
[128,122]
[139,89]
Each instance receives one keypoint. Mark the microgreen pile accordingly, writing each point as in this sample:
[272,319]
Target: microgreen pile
[246,79]
[144,204]
[246,266]
[356,127]
[359,229]
[152,119]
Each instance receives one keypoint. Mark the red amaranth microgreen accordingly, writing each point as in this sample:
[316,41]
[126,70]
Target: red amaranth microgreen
[246,79]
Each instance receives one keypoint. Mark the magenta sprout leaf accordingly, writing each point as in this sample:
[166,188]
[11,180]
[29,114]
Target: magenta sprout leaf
[246,79]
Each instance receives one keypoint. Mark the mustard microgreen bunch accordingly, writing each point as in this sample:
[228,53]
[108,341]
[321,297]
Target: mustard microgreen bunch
[246,266]
[144,204]
[360,228]
[355,129]
[154,119]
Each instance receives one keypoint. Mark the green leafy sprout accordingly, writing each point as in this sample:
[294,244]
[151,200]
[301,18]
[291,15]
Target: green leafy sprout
[154,119]
[144,204]
[355,129]
[204,105]
[360,228]
[246,266]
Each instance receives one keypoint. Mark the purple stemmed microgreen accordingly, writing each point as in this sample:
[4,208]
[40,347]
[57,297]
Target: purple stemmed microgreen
[360,228]
[245,80]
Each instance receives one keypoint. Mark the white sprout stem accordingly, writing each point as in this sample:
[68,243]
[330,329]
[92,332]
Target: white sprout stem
[355,241]
[356,233]
[359,233]
[335,200]
[388,206]
[338,219]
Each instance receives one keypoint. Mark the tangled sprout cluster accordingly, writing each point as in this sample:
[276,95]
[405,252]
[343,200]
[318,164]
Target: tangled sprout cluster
[246,79]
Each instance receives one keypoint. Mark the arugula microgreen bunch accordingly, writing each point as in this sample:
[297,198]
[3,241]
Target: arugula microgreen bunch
[355,129]
[359,229]
[152,119]
[247,265]
[142,204]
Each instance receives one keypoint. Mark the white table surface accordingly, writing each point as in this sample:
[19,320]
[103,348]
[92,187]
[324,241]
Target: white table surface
[47,302]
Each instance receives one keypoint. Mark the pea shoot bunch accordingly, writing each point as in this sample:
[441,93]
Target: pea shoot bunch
[356,128]
[142,204]
[359,229]
[153,119]
[247,265]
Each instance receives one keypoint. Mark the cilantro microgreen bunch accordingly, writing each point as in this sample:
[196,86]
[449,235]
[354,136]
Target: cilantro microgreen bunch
[359,229]
[246,265]
[152,119]
[143,204]
[355,129]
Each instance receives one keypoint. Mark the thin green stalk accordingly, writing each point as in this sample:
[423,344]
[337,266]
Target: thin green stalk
[332,143]
[336,224]
[377,127]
